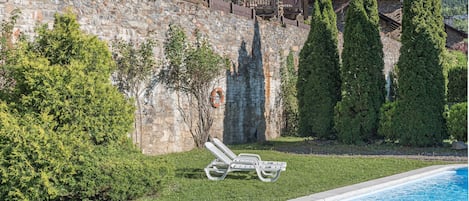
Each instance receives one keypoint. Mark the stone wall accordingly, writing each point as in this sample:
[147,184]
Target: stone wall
[256,49]
[252,108]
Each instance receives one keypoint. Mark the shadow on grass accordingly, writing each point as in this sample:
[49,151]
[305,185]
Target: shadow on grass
[199,173]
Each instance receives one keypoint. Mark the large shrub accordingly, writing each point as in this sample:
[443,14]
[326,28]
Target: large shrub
[318,74]
[363,82]
[36,163]
[386,115]
[455,69]
[457,121]
[66,74]
[457,84]
[40,164]
[63,126]
[116,174]
[421,84]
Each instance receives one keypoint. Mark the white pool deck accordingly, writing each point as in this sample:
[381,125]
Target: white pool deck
[377,184]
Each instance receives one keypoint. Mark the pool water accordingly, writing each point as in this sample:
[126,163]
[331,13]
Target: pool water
[445,186]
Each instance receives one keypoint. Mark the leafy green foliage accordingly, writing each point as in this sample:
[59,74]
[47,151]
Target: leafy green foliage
[421,84]
[63,127]
[457,121]
[65,73]
[192,69]
[289,96]
[363,83]
[37,163]
[454,7]
[456,71]
[175,50]
[116,174]
[386,117]
[135,64]
[457,84]
[318,74]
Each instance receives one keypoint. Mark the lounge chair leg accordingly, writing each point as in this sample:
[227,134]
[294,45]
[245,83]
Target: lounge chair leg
[215,178]
[268,177]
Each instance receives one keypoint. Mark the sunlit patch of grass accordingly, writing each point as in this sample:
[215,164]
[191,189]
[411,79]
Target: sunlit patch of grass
[306,174]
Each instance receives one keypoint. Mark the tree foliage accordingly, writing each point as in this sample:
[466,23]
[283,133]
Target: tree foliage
[191,69]
[454,7]
[65,73]
[421,85]
[457,121]
[363,93]
[318,74]
[289,96]
[135,64]
[455,64]
[64,126]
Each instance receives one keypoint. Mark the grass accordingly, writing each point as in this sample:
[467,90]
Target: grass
[306,174]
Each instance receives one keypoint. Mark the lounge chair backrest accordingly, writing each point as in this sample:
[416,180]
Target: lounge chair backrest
[224,148]
[218,153]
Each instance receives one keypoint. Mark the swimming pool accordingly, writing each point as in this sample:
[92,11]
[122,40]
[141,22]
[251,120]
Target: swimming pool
[447,185]
[399,183]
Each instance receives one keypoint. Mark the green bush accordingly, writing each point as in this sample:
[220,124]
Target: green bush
[115,174]
[457,121]
[40,164]
[386,116]
[457,84]
[64,126]
[36,163]
[66,74]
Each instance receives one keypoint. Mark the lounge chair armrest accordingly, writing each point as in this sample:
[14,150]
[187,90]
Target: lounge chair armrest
[250,155]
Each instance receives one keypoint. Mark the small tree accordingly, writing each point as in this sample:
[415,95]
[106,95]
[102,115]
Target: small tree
[289,96]
[421,85]
[191,70]
[65,73]
[363,93]
[318,74]
[135,64]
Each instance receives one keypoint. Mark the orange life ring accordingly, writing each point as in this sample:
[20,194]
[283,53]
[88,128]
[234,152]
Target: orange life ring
[217,97]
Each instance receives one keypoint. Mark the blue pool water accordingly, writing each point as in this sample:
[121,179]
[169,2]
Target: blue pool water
[445,186]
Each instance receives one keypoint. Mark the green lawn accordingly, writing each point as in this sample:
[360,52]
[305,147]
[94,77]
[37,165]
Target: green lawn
[306,174]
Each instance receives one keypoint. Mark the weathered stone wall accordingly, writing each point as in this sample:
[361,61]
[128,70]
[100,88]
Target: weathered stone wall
[252,111]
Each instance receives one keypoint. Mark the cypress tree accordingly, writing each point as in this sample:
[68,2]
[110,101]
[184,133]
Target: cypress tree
[290,102]
[421,86]
[318,74]
[357,114]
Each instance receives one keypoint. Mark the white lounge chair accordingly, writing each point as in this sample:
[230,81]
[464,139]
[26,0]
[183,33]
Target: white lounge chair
[244,156]
[222,165]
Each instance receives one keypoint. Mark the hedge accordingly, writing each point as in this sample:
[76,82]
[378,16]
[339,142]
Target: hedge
[457,121]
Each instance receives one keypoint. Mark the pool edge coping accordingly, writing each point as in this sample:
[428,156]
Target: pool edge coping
[373,185]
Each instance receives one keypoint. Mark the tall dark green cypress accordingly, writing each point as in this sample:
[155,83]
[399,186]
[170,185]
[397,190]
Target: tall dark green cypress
[318,74]
[421,85]
[357,114]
